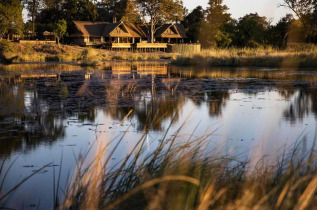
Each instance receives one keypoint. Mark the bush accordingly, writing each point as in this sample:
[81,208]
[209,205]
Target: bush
[56,58]
[7,46]
[89,54]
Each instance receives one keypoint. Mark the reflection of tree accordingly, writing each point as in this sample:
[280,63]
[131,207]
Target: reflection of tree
[304,103]
[33,109]
[217,100]
[25,122]
[151,100]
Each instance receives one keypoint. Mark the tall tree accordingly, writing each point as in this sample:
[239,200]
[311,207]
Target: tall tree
[279,34]
[79,10]
[159,11]
[300,7]
[33,7]
[129,12]
[10,17]
[212,31]
[60,29]
[192,23]
[304,10]
[251,31]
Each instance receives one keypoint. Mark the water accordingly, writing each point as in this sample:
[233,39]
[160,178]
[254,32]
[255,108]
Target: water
[53,111]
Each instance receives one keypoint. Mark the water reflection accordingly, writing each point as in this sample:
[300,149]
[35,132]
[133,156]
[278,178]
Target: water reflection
[34,104]
[57,107]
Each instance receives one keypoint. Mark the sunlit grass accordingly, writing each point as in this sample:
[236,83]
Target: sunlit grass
[184,173]
[181,172]
[293,56]
[86,56]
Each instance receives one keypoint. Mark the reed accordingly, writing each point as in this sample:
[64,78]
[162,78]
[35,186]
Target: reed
[294,56]
[183,172]
[188,175]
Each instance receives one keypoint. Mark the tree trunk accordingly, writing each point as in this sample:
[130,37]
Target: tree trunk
[152,31]
[33,18]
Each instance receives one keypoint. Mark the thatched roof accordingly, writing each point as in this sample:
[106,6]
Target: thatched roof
[171,31]
[88,28]
[98,29]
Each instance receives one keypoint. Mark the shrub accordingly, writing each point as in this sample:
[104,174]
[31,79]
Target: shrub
[7,46]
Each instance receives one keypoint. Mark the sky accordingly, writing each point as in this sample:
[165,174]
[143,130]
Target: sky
[239,8]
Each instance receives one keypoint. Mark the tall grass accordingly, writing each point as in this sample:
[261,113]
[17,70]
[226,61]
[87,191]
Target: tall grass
[86,56]
[182,172]
[186,174]
[293,56]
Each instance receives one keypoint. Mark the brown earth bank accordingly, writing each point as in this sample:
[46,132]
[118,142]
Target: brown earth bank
[48,52]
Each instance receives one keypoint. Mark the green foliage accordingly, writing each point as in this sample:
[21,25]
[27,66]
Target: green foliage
[121,10]
[251,31]
[213,33]
[61,29]
[10,17]
[7,47]
[159,11]
[193,22]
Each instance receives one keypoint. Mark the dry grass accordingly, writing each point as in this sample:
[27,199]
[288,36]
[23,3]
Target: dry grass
[182,173]
[293,56]
[29,52]
[189,176]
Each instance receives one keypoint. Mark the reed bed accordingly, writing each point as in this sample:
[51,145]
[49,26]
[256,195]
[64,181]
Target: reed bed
[183,172]
[294,56]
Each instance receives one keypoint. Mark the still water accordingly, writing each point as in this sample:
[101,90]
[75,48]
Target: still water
[54,112]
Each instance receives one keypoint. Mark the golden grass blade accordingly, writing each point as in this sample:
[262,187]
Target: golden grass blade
[152,183]
[307,195]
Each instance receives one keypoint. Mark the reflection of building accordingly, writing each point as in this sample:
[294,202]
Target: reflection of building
[125,35]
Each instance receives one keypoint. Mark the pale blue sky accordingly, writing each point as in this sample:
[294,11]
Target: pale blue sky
[239,8]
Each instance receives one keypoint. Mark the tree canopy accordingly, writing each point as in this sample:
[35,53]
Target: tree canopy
[158,12]
[212,26]
[10,17]
[60,29]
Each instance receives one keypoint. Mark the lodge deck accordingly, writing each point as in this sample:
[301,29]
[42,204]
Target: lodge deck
[130,45]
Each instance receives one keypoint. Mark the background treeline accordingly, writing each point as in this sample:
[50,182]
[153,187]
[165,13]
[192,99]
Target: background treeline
[212,26]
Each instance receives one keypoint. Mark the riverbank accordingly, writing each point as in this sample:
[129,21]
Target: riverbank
[28,52]
[298,56]
[295,56]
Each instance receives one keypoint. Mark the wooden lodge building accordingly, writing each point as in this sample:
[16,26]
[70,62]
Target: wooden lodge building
[125,35]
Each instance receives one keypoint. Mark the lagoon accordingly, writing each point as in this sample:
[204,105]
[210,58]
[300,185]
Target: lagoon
[51,112]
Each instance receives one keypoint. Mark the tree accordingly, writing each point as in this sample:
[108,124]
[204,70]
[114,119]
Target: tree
[79,10]
[304,10]
[251,31]
[212,32]
[300,7]
[10,17]
[196,16]
[279,34]
[33,7]
[121,10]
[128,11]
[192,23]
[159,11]
[60,29]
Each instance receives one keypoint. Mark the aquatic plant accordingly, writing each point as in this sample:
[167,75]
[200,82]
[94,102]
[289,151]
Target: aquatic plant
[184,174]
[294,56]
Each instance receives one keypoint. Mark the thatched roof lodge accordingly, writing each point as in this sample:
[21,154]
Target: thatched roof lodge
[124,35]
